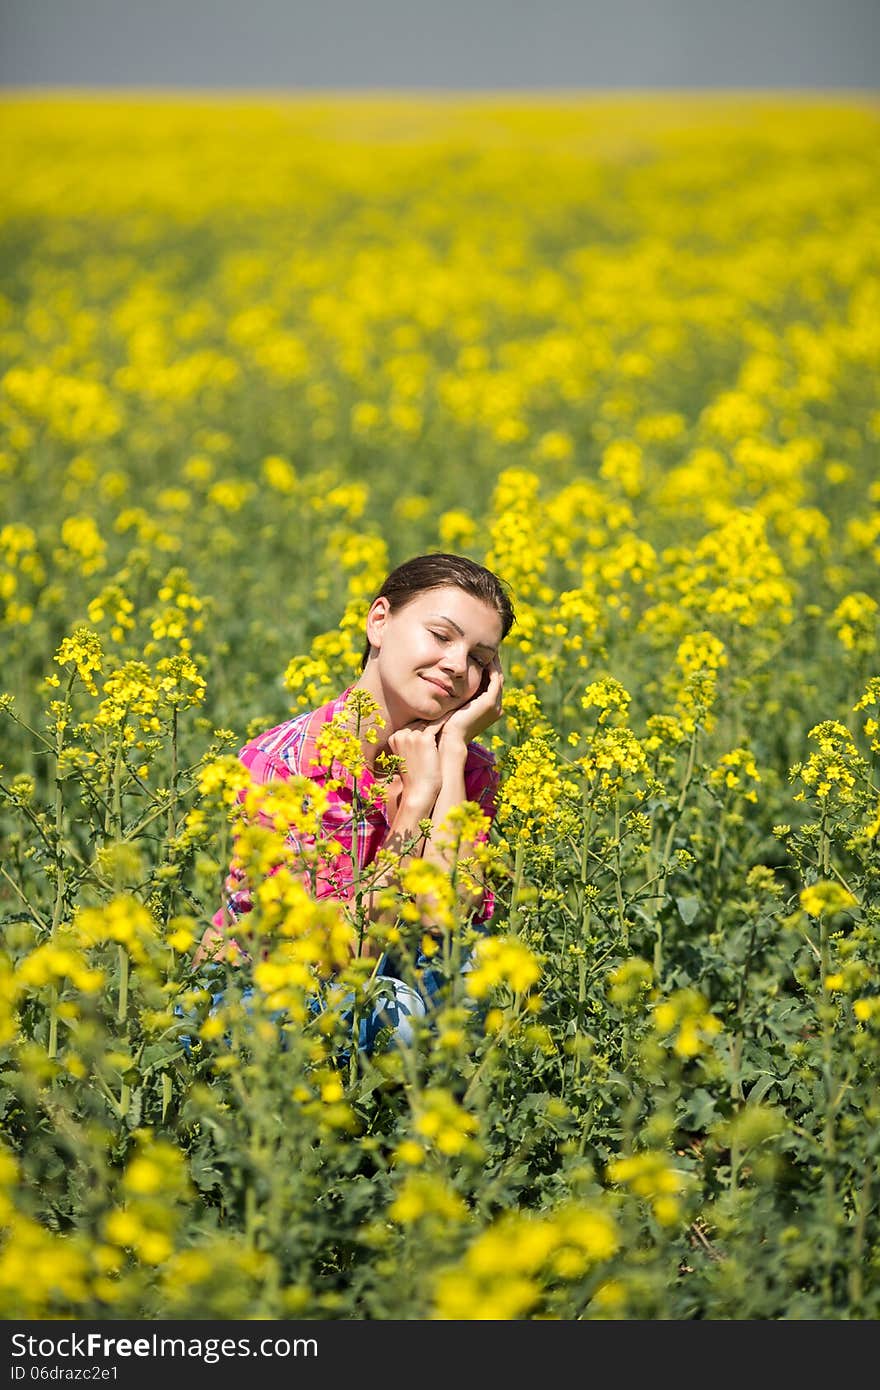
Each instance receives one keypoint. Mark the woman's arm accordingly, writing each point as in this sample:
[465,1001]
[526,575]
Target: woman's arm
[463,725]
[421,781]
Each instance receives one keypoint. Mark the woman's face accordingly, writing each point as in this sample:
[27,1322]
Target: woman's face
[433,652]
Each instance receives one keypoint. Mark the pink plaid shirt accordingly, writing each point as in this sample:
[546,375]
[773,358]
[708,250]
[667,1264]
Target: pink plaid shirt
[290,750]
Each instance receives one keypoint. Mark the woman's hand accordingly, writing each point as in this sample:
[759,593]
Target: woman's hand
[421,774]
[477,713]
[424,744]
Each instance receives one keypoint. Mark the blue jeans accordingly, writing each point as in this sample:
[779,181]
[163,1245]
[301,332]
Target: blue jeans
[399,1003]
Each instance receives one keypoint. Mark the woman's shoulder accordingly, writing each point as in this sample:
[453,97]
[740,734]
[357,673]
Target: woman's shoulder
[479,753]
[289,747]
[480,760]
[481,778]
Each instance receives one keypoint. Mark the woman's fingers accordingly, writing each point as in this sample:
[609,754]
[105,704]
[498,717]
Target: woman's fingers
[411,732]
[496,680]
[416,744]
[491,696]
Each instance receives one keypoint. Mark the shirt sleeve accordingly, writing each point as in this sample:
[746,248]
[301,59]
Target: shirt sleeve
[481,780]
[237,900]
[332,876]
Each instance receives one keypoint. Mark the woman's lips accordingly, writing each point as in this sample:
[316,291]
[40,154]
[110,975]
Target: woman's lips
[439,685]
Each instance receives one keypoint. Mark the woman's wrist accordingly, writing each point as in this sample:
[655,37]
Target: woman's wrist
[412,808]
[453,753]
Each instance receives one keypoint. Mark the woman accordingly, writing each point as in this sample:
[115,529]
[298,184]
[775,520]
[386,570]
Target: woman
[432,672]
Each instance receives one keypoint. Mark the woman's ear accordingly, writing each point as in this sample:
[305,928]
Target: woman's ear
[377,617]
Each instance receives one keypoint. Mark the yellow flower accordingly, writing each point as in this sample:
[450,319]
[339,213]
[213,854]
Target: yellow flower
[826,897]
[280,474]
[425,1196]
[833,770]
[609,697]
[84,542]
[611,756]
[456,529]
[855,620]
[183,937]
[622,464]
[532,788]
[57,960]
[122,1228]
[501,961]
[144,1176]
[630,981]
[652,1176]
[459,1297]
[429,889]
[441,1121]
[408,1151]
[82,649]
[180,684]
[223,778]
[737,771]
[507,1266]
[123,919]
[685,1020]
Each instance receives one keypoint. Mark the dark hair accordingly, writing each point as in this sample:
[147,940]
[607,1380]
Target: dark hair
[424,572]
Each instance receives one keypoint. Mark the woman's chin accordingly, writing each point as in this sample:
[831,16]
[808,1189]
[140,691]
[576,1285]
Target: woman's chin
[431,700]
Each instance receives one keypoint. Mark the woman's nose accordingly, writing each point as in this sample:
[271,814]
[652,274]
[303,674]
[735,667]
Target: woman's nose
[454,660]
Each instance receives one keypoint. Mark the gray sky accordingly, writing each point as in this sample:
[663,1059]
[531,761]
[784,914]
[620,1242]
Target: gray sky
[445,44]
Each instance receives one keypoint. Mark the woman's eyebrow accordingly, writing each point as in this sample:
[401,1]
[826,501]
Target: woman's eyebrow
[487,646]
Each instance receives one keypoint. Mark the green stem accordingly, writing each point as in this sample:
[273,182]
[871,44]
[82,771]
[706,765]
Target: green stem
[166,1094]
[52,1044]
[116,798]
[736,1094]
[175,772]
[856,1268]
[581,1000]
[122,1010]
[586,916]
[121,1016]
[250,1216]
[60,874]
[23,899]
[587,809]
[490,1053]
[618,885]
[826,1013]
[36,824]
[828,1125]
[451,945]
[667,850]
[513,918]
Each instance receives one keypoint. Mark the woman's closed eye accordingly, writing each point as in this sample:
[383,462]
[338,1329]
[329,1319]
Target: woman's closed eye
[446,639]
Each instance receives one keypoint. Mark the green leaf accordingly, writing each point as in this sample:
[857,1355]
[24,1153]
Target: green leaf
[687,909]
[699,1111]
[760,1088]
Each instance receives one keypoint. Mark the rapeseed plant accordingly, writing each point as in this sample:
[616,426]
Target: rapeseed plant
[233,393]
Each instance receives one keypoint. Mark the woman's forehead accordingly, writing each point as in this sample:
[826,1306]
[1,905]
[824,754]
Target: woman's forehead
[473,616]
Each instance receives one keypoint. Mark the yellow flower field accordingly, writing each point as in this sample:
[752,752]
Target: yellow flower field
[626,352]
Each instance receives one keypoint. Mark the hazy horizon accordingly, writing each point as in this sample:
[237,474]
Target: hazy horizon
[412,45]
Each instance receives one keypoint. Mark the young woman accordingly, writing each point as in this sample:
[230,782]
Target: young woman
[432,668]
